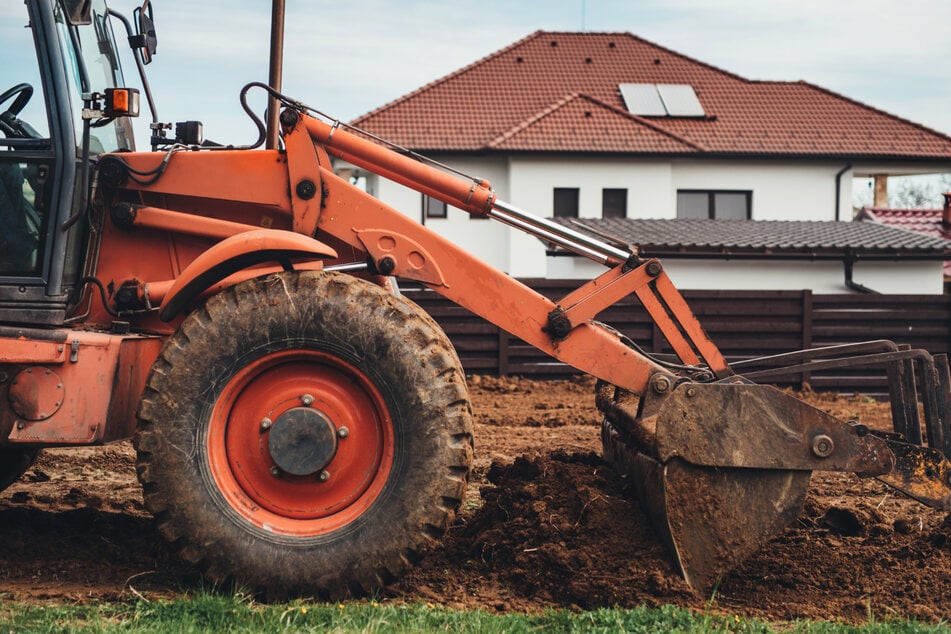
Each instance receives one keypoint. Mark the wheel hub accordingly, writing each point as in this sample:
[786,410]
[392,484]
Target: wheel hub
[302,441]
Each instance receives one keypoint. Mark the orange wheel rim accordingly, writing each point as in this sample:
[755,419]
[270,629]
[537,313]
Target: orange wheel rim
[249,477]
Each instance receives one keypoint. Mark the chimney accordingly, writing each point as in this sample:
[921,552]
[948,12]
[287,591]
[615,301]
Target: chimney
[946,211]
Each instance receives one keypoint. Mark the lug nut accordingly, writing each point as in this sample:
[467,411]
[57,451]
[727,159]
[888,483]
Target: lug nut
[343,432]
[691,392]
[822,446]
[307,400]
[324,475]
[266,424]
[275,471]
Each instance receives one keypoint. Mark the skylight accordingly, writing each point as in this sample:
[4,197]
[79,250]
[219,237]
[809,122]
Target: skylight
[661,100]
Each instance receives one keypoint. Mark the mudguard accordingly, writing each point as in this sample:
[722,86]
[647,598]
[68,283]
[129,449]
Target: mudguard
[234,254]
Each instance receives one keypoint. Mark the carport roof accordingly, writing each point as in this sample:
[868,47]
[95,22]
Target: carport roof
[725,239]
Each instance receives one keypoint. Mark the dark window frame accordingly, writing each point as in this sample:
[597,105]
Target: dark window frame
[434,208]
[711,199]
[611,208]
[566,202]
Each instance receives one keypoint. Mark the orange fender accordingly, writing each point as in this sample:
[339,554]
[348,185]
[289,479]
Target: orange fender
[234,254]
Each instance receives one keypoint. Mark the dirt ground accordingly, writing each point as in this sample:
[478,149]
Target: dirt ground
[545,524]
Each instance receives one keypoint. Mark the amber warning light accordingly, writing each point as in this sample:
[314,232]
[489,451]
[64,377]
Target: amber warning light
[121,102]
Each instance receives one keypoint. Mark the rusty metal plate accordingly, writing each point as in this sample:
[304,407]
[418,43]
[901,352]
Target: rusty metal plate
[760,427]
[36,393]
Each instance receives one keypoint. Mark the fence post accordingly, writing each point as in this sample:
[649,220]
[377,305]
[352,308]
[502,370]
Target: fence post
[503,353]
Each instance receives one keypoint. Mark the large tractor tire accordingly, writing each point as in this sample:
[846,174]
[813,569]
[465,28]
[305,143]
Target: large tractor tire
[305,433]
[13,463]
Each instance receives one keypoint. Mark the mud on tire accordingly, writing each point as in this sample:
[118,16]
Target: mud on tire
[341,355]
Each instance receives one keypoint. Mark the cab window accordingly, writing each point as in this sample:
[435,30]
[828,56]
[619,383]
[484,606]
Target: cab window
[95,45]
[25,148]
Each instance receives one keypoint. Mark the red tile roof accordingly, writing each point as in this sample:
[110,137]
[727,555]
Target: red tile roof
[924,221]
[559,92]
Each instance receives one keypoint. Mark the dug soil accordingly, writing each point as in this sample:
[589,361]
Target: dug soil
[545,524]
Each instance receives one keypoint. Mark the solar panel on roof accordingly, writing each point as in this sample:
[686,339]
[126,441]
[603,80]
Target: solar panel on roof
[661,100]
[642,99]
[680,100]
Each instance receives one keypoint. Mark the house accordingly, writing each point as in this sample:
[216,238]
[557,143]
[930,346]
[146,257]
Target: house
[930,222]
[609,125]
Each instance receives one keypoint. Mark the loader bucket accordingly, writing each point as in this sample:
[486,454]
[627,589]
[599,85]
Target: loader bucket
[710,519]
[722,467]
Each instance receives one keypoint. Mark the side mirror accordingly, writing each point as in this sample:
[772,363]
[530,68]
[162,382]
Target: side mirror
[145,40]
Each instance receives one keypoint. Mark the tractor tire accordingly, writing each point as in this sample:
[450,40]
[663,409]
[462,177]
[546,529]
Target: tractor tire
[305,434]
[13,463]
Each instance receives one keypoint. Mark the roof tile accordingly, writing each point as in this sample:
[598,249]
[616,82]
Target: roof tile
[528,94]
[735,237]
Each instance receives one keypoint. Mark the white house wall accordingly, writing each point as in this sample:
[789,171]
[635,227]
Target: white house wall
[782,190]
[906,278]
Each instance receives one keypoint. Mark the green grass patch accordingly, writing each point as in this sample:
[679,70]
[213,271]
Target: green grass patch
[220,612]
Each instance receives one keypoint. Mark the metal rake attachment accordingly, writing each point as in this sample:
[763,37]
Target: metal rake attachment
[911,373]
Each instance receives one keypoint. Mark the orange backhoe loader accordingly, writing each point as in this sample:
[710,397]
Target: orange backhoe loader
[299,425]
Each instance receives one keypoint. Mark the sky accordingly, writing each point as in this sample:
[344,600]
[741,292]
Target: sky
[347,58]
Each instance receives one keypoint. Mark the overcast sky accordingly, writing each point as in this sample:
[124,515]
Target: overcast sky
[347,58]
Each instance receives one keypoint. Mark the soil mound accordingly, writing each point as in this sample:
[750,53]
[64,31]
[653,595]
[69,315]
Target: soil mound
[558,529]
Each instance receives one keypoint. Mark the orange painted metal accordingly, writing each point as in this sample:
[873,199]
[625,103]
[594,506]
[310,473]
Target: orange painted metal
[89,396]
[36,393]
[667,325]
[236,253]
[154,293]
[256,179]
[303,180]
[411,259]
[244,470]
[190,224]
[586,301]
[22,350]
[485,291]
[691,326]
[471,196]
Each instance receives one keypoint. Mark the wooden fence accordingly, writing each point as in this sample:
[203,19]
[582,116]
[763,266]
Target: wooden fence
[743,324]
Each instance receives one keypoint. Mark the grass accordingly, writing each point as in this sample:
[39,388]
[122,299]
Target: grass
[234,613]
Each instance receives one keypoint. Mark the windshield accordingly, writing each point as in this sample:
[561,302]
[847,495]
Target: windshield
[98,51]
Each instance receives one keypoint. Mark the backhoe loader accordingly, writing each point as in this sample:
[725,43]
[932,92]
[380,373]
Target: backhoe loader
[299,425]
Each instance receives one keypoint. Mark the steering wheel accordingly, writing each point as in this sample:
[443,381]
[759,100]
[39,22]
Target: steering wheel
[9,123]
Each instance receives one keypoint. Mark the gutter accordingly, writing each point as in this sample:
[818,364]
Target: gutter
[849,262]
[775,255]
[838,187]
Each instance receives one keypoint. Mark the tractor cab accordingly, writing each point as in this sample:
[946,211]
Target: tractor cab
[56,54]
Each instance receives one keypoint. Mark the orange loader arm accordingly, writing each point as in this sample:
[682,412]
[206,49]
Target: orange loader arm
[205,196]
[564,329]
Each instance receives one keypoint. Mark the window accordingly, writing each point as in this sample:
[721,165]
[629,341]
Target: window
[98,51]
[613,203]
[719,205]
[566,202]
[433,208]
[26,154]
